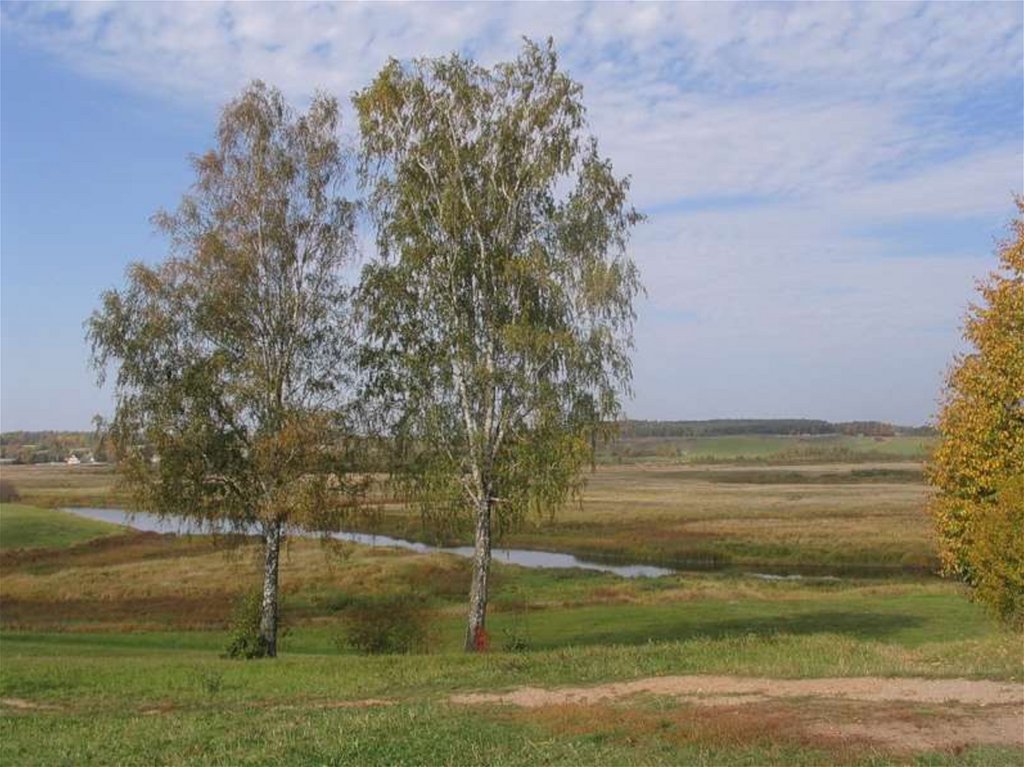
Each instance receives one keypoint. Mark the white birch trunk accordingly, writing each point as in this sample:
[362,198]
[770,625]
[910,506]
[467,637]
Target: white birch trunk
[268,606]
[476,638]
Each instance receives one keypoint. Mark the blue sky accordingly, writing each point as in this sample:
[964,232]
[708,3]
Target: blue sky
[824,181]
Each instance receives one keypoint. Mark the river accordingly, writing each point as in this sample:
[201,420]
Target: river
[522,557]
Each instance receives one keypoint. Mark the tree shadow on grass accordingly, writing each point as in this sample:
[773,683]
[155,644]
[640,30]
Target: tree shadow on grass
[859,625]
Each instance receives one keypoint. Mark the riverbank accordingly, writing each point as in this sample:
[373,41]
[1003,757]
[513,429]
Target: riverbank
[846,520]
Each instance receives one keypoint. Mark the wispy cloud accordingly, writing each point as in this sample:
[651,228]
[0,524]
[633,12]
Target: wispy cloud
[765,137]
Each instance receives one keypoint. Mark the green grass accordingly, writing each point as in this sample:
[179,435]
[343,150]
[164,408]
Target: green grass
[406,734]
[157,699]
[756,448]
[23,527]
[414,733]
[117,642]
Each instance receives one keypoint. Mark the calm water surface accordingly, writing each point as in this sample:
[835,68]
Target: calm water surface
[522,557]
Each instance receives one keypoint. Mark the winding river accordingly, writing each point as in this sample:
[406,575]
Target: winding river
[522,557]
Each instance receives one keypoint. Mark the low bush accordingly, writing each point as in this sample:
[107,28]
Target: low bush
[245,642]
[8,493]
[391,624]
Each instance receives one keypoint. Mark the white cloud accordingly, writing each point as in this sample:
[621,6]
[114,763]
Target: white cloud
[209,49]
[693,99]
[810,120]
[765,311]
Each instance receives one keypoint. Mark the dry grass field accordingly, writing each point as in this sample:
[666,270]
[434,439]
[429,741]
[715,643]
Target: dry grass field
[831,518]
[58,485]
[839,518]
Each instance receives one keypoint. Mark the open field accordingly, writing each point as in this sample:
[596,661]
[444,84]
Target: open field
[57,485]
[112,645]
[111,654]
[24,527]
[112,649]
[834,518]
[856,518]
[766,449]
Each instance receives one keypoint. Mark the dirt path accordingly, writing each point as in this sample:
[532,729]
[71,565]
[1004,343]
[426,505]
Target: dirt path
[714,690]
[897,714]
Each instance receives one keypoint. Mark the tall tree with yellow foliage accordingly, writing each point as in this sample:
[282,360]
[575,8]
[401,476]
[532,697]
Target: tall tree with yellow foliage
[978,469]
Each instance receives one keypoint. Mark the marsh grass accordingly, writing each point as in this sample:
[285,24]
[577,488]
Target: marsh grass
[28,527]
[839,519]
[59,485]
[852,517]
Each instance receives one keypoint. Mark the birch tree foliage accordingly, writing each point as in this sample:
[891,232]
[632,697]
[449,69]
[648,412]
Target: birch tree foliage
[499,312]
[978,468]
[232,355]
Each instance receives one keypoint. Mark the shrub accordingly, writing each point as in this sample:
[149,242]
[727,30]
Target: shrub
[515,638]
[8,493]
[516,634]
[393,624]
[246,642]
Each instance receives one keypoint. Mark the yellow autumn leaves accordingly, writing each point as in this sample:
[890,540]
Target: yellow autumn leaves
[978,469]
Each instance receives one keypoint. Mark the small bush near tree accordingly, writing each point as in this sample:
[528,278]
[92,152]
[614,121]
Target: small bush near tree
[246,641]
[380,625]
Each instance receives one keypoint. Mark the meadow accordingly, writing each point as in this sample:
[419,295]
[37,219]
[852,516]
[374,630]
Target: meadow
[766,449]
[838,519]
[56,486]
[112,641]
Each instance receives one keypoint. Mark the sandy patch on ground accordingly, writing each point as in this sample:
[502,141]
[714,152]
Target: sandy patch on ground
[905,714]
[710,689]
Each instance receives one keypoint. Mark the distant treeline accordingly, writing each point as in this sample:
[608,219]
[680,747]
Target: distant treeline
[724,427]
[47,446]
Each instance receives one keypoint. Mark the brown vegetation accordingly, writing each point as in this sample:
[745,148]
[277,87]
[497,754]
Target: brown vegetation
[843,731]
[8,493]
[58,485]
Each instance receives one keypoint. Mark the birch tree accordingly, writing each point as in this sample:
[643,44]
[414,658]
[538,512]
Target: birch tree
[232,355]
[499,311]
